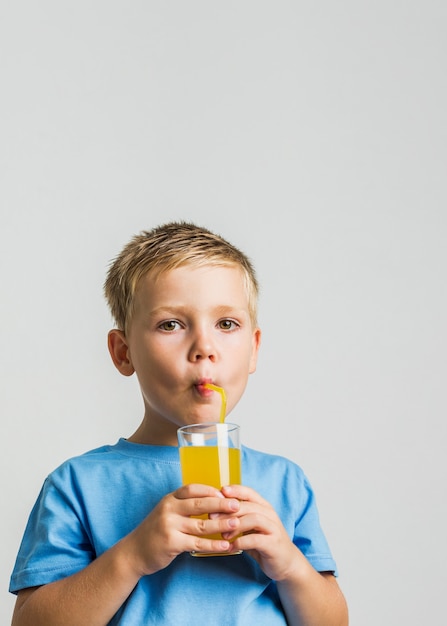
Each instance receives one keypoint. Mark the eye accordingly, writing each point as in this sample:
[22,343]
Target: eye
[228,324]
[169,325]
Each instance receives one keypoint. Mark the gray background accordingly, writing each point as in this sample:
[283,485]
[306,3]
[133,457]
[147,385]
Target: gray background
[312,135]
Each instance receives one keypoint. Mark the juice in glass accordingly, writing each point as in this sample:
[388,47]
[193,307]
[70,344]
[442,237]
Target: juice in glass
[210,465]
[210,455]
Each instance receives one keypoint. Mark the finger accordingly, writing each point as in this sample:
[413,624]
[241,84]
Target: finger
[210,506]
[249,511]
[201,544]
[196,499]
[251,502]
[257,523]
[203,526]
[195,490]
[241,492]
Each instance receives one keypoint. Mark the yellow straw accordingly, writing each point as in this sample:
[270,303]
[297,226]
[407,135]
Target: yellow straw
[223,408]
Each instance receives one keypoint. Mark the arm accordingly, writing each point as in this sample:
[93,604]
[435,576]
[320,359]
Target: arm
[93,595]
[309,598]
[313,598]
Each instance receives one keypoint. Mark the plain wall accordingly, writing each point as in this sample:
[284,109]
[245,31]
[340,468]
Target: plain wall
[313,136]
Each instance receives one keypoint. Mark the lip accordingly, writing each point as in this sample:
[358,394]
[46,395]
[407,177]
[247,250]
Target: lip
[201,389]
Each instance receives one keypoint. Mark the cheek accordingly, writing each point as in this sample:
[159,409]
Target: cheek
[166,364]
[149,361]
[235,388]
[241,369]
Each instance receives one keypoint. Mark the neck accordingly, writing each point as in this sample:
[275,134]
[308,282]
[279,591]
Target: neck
[152,434]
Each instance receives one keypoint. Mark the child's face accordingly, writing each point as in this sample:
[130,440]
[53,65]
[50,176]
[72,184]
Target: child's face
[189,326]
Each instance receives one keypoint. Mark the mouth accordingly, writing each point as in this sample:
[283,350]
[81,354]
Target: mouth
[203,391]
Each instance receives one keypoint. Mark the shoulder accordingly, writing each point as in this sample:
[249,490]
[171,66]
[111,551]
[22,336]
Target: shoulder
[114,466]
[88,457]
[86,463]
[281,482]
[276,469]
[268,460]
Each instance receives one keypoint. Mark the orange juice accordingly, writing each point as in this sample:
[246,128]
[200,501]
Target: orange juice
[210,455]
[210,465]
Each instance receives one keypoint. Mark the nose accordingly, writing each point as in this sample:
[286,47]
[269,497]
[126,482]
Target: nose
[202,346]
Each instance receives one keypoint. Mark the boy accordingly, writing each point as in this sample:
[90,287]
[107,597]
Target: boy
[109,538]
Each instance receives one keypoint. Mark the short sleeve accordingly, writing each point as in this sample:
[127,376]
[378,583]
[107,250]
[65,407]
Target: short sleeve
[56,542]
[308,534]
[286,487]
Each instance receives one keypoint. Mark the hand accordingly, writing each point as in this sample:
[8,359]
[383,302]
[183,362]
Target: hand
[263,534]
[170,530]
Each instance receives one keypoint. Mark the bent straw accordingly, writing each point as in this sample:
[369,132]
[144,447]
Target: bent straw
[222,438]
[223,408]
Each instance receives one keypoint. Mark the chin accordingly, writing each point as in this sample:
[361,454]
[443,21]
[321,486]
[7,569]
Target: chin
[202,419]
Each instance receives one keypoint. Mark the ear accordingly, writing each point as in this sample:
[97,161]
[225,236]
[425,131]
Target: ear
[256,342]
[119,351]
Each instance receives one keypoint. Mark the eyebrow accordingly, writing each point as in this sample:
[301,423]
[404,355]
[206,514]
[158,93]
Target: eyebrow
[220,310]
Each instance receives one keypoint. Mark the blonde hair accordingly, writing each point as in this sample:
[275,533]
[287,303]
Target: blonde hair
[164,248]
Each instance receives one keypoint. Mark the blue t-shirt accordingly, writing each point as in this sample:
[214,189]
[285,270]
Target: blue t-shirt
[91,501]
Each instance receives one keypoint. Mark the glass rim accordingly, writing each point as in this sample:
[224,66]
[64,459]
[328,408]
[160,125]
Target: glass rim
[203,426]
